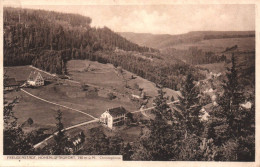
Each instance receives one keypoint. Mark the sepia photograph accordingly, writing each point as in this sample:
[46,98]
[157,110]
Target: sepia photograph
[135,82]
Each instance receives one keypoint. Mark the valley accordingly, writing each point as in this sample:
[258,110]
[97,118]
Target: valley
[74,88]
[100,79]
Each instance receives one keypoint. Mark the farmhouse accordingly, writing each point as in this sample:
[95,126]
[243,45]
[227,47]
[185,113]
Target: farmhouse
[35,79]
[10,84]
[113,117]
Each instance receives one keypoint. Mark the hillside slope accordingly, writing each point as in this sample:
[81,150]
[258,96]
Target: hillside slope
[30,34]
[48,40]
[161,41]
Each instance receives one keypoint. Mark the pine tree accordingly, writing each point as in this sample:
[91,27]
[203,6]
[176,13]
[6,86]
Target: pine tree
[232,97]
[186,121]
[98,143]
[160,143]
[232,125]
[61,140]
[225,116]
[162,109]
[126,151]
[15,141]
[187,111]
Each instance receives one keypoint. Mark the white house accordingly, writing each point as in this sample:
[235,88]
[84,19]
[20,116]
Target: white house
[35,79]
[246,105]
[113,117]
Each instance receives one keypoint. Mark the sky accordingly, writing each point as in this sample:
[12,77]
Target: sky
[163,19]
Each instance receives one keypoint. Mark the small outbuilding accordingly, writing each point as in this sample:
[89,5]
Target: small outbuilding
[10,84]
[113,117]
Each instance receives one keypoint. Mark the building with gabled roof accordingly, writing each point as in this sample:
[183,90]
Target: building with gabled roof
[10,84]
[35,79]
[113,117]
[76,143]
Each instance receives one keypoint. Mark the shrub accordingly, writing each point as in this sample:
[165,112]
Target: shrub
[111,96]
[30,121]
[84,87]
[136,86]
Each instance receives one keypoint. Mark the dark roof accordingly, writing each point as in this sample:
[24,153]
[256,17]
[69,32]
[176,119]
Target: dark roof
[33,75]
[208,107]
[10,82]
[117,111]
[77,140]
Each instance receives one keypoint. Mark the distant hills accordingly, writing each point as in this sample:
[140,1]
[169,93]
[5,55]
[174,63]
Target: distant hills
[162,41]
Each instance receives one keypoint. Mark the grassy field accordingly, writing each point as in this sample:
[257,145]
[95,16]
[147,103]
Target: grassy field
[106,76]
[101,79]
[219,45]
[94,105]
[42,113]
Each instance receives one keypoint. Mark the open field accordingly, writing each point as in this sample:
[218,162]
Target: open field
[101,80]
[43,114]
[89,104]
[219,45]
[107,76]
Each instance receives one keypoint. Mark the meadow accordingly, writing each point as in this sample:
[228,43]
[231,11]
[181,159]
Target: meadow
[101,80]
[219,45]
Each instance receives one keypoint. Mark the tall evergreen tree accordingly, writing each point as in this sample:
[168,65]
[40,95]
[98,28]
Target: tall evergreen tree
[187,110]
[232,126]
[61,140]
[186,121]
[160,143]
[162,109]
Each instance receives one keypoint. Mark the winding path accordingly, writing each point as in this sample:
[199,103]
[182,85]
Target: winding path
[58,104]
[76,82]
[173,102]
[68,128]
[89,122]
[80,124]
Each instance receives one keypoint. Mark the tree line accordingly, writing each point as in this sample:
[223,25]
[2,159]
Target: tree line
[197,56]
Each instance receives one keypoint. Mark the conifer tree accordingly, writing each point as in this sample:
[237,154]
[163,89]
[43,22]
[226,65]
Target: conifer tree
[232,126]
[162,109]
[187,111]
[160,143]
[126,151]
[232,96]
[61,140]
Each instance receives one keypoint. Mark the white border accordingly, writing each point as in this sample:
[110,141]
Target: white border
[129,163]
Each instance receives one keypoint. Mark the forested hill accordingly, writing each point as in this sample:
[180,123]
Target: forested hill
[48,40]
[162,41]
[30,34]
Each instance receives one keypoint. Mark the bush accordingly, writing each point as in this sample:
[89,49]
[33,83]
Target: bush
[111,96]
[84,87]
[30,121]
[136,86]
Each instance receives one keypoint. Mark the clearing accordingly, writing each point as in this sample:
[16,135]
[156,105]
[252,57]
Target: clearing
[99,80]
